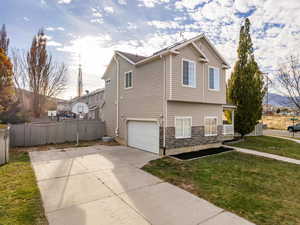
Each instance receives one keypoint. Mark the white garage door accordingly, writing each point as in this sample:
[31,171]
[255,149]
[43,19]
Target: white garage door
[144,135]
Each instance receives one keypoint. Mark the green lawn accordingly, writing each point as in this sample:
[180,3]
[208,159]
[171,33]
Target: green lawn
[271,145]
[261,190]
[20,201]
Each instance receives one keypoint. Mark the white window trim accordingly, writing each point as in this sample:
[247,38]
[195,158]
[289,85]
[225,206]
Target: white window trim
[213,67]
[130,71]
[183,117]
[211,117]
[195,79]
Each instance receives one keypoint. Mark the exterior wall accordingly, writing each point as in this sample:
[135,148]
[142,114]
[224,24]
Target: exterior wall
[198,112]
[110,109]
[201,93]
[197,138]
[143,100]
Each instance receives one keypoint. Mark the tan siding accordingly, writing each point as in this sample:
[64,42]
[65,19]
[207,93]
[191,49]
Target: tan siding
[201,92]
[145,99]
[197,111]
[109,110]
[214,60]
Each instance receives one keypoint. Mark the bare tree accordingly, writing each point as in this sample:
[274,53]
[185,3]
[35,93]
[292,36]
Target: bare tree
[288,77]
[45,78]
[18,58]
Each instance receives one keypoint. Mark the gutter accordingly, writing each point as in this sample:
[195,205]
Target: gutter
[117,102]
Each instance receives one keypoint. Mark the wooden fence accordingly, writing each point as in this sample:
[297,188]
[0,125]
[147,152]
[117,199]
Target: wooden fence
[33,134]
[4,145]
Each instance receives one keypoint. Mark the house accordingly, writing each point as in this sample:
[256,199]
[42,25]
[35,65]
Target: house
[26,98]
[172,101]
[94,100]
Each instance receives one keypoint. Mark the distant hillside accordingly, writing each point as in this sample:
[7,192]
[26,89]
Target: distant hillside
[278,100]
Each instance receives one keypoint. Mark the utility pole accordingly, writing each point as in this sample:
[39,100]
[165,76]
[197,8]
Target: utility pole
[79,87]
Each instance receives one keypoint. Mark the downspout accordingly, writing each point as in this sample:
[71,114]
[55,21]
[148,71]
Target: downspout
[164,104]
[117,102]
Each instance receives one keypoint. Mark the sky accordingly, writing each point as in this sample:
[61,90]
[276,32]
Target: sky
[88,31]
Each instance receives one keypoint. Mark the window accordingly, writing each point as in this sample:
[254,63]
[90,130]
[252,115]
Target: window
[128,79]
[213,78]
[107,83]
[210,126]
[183,127]
[188,73]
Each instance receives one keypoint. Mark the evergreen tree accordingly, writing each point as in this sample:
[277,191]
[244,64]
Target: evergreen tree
[246,87]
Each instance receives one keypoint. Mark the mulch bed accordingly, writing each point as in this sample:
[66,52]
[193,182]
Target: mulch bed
[201,153]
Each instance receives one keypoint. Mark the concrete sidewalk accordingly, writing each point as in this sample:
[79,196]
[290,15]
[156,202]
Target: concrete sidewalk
[104,185]
[286,138]
[267,155]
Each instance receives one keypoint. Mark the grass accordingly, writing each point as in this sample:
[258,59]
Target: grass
[271,145]
[20,201]
[2,126]
[261,190]
[66,145]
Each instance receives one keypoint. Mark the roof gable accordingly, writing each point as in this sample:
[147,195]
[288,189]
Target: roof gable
[136,60]
[132,58]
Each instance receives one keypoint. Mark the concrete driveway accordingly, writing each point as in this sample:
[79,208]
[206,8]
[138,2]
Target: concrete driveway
[103,185]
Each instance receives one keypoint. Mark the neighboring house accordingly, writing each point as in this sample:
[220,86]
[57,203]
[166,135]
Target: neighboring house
[172,101]
[63,106]
[25,98]
[95,102]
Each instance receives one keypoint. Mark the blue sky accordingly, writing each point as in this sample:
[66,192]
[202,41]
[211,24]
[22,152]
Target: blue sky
[93,29]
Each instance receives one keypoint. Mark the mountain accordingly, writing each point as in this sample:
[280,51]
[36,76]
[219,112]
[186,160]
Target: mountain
[277,100]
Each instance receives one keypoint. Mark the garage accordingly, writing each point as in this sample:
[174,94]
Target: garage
[143,135]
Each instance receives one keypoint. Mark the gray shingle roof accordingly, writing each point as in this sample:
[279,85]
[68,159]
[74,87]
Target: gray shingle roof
[133,57]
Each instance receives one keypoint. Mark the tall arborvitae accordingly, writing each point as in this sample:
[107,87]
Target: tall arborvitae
[246,87]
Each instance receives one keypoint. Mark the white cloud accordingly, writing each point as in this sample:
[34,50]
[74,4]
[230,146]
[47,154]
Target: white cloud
[97,16]
[122,2]
[189,4]
[98,21]
[243,6]
[109,9]
[48,37]
[54,29]
[132,26]
[64,1]
[164,24]
[54,43]
[26,18]
[152,3]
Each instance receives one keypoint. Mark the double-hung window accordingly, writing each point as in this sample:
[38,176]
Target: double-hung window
[188,73]
[128,80]
[210,126]
[183,127]
[214,78]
